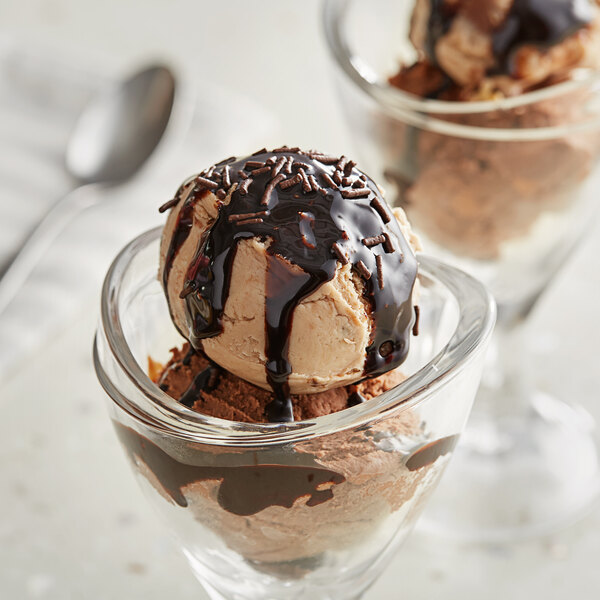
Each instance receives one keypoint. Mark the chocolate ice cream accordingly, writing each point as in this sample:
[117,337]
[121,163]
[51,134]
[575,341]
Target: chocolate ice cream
[187,377]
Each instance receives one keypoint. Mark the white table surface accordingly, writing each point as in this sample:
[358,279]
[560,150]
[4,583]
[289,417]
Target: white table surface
[72,522]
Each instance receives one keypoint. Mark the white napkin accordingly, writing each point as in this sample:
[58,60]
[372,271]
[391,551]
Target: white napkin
[40,99]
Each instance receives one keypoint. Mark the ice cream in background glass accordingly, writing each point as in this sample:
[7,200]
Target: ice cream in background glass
[482,119]
[269,386]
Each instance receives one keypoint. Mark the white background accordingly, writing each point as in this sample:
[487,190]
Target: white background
[77,526]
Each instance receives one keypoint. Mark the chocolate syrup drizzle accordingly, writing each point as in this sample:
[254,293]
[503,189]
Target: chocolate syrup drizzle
[542,23]
[314,212]
[205,381]
[441,16]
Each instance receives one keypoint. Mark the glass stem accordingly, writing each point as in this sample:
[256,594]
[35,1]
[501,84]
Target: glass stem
[505,392]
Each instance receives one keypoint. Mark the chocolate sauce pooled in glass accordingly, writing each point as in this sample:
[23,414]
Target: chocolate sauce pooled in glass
[243,490]
[314,212]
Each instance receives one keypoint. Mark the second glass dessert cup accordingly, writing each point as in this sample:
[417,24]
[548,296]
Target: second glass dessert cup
[313,509]
[505,188]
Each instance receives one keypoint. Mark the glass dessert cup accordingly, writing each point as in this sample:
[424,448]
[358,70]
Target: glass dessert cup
[312,509]
[505,189]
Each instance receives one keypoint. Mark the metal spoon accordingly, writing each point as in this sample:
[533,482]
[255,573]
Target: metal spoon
[113,138]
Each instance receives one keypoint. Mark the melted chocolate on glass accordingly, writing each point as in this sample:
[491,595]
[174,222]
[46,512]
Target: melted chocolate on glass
[243,490]
[313,212]
[428,454]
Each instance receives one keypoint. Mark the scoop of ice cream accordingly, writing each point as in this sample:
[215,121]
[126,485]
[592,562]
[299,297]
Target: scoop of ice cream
[502,46]
[289,270]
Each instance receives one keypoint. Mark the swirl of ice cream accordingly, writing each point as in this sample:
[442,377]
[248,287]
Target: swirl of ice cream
[289,270]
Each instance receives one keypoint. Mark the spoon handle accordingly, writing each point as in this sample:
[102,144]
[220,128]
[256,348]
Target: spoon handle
[15,271]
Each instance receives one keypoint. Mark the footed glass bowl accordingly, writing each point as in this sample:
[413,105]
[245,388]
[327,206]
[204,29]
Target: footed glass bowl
[311,509]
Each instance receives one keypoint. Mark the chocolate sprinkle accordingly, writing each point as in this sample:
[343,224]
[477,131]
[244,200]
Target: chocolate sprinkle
[265,169]
[305,183]
[324,158]
[296,164]
[270,187]
[253,164]
[388,246]
[285,184]
[288,165]
[415,329]
[286,149]
[380,208]
[373,241]
[313,183]
[226,177]
[362,269]
[328,181]
[339,253]
[241,217]
[207,183]
[353,193]
[278,166]
[168,204]
[244,186]
[341,164]
[380,272]
[249,221]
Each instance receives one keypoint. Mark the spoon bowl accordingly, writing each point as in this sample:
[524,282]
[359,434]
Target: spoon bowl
[119,130]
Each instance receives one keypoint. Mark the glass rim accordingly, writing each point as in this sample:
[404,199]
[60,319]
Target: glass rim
[159,411]
[417,111]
